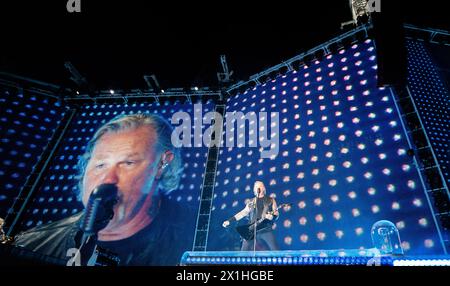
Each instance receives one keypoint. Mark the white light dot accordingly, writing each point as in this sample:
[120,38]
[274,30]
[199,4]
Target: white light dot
[288,240]
[287,223]
[429,243]
[395,206]
[304,238]
[318,201]
[391,188]
[400,224]
[423,222]
[339,234]
[302,221]
[359,231]
[375,209]
[406,246]
[337,215]
[417,202]
[319,218]
[321,236]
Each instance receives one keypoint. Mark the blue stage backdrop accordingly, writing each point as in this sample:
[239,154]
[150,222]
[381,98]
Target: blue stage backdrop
[57,198]
[27,123]
[342,161]
[431,95]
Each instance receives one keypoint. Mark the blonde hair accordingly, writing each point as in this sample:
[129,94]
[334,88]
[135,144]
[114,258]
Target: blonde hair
[171,175]
[259,183]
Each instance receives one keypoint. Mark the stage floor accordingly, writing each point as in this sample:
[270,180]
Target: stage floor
[362,257]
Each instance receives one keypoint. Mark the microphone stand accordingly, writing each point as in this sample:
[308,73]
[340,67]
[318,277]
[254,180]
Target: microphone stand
[256,220]
[88,246]
[98,213]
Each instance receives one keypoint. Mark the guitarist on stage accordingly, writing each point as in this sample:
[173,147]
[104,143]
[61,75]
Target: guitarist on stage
[263,210]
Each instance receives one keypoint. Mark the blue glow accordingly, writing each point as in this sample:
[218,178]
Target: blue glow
[339,139]
[18,129]
[62,180]
[432,101]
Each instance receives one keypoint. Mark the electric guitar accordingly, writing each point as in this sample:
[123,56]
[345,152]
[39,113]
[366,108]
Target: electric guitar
[247,231]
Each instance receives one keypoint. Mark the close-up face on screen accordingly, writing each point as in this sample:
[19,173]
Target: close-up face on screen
[227,144]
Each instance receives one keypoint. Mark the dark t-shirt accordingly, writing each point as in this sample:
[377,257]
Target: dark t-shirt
[260,207]
[161,243]
[156,244]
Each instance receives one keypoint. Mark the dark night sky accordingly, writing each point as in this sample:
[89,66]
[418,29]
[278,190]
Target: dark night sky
[114,45]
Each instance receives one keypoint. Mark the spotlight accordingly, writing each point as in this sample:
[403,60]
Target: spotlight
[318,55]
[76,77]
[282,71]
[359,11]
[264,78]
[153,83]
[111,91]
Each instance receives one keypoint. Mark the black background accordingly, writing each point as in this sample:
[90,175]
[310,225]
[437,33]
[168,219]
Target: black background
[114,43]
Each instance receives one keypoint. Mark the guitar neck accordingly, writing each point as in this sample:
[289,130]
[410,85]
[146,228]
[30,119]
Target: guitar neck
[279,207]
[271,212]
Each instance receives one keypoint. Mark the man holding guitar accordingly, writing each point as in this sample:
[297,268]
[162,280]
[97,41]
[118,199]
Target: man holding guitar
[262,211]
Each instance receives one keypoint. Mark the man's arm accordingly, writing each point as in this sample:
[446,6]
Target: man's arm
[238,216]
[275,211]
[274,207]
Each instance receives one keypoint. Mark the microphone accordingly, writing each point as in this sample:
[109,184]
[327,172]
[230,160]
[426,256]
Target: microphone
[99,209]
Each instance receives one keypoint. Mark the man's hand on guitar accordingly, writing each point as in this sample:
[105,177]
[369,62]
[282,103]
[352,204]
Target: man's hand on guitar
[269,216]
[226,223]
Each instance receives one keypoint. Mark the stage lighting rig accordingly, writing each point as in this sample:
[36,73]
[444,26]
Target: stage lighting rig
[361,10]
[153,83]
[76,77]
[224,77]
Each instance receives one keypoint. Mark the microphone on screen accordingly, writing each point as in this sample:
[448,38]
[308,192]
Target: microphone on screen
[99,209]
